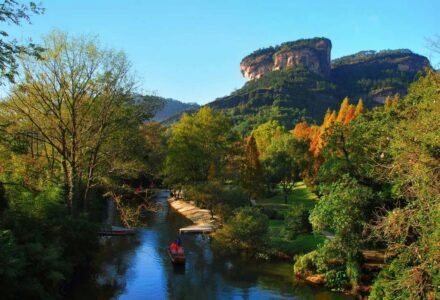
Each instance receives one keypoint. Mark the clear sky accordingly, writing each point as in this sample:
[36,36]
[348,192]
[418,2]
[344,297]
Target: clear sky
[190,50]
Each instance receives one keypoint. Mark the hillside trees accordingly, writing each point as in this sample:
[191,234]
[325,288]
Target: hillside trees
[379,187]
[411,228]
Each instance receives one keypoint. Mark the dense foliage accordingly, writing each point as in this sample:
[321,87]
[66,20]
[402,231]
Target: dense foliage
[74,133]
[245,233]
[380,190]
[376,173]
[71,131]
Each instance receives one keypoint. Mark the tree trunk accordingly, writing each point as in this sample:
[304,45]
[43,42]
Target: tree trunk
[73,189]
[90,174]
[70,186]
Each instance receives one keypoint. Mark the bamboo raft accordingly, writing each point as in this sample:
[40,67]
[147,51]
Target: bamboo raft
[176,258]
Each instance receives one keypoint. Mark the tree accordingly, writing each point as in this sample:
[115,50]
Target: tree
[251,176]
[70,103]
[349,115]
[155,135]
[12,12]
[264,134]
[301,131]
[297,220]
[245,231]
[286,158]
[343,110]
[388,102]
[396,99]
[195,142]
[360,108]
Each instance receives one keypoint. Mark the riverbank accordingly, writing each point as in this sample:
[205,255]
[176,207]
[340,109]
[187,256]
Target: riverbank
[200,217]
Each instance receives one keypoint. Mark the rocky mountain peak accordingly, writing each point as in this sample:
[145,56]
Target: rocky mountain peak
[314,54]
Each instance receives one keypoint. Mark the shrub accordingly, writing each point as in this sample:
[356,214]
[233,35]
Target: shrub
[353,273]
[336,279]
[305,264]
[245,232]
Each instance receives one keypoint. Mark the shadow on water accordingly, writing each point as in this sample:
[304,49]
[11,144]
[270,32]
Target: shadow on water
[139,268]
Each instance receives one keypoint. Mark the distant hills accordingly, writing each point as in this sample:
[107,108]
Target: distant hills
[297,80]
[173,109]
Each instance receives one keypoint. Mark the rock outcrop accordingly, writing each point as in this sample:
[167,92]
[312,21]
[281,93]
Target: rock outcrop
[314,54]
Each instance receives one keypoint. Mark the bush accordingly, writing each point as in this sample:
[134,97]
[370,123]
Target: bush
[305,264]
[41,245]
[234,196]
[297,221]
[224,211]
[245,232]
[353,273]
[336,279]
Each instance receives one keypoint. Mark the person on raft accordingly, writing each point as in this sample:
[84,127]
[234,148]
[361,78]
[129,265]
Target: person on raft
[176,247]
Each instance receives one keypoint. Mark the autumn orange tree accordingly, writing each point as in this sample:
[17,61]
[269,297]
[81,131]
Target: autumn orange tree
[315,134]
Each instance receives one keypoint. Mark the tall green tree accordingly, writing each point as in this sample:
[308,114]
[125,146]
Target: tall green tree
[195,143]
[284,161]
[69,104]
[265,133]
[251,173]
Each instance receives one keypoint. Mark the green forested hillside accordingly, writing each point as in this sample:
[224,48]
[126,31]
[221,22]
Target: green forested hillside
[295,93]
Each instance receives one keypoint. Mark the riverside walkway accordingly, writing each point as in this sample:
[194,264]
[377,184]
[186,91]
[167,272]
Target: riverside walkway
[202,218]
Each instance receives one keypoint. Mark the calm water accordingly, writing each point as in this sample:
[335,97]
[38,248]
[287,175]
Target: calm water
[139,268]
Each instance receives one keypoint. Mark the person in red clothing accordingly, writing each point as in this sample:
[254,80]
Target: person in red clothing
[173,247]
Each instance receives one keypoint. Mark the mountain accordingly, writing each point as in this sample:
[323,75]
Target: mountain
[172,109]
[297,80]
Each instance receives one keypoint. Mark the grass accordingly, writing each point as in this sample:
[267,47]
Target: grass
[299,194]
[277,230]
[303,243]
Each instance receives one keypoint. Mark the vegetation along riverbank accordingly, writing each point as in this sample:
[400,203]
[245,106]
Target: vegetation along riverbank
[328,166]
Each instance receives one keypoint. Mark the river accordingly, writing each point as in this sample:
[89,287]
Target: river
[139,268]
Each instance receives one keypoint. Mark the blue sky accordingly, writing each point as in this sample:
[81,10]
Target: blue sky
[190,50]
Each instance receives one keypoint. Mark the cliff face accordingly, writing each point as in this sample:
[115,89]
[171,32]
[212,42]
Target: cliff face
[314,54]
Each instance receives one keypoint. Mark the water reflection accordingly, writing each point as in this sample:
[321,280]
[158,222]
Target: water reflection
[139,268]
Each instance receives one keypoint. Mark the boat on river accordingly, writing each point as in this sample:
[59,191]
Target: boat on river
[177,257]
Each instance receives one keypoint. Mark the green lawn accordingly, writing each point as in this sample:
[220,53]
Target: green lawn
[277,232]
[300,194]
